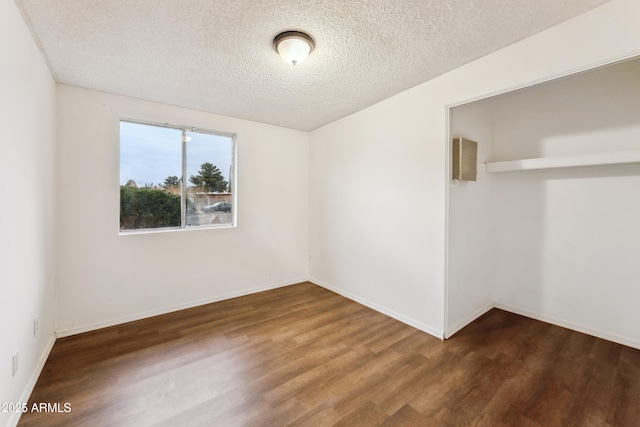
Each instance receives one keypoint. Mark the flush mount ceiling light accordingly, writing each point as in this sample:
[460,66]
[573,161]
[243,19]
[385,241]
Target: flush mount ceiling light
[293,46]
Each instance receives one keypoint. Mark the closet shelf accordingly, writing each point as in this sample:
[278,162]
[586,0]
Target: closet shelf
[611,158]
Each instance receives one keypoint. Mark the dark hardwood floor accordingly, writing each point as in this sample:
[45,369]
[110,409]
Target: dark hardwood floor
[304,356]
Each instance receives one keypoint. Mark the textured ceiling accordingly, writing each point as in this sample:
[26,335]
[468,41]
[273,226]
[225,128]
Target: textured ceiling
[217,55]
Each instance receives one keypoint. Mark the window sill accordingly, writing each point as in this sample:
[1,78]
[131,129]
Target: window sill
[174,229]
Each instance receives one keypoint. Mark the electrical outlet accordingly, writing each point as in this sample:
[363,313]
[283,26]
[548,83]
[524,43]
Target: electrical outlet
[14,364]
[35,326]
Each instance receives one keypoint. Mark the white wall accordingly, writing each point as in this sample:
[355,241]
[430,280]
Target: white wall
[378,177]
[27,93]
[106,278]
[568,240]
[374,225]
[471,228]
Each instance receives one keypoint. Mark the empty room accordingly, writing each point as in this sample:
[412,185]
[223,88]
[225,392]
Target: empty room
[303,213]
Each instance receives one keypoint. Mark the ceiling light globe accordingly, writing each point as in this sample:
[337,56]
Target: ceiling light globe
[293,47]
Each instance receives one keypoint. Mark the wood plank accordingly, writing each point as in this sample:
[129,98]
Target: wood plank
[302,355]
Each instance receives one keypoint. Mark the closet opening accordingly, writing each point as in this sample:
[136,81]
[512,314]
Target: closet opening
[550,228]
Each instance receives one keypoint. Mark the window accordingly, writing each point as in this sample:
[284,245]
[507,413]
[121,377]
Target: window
[154,161]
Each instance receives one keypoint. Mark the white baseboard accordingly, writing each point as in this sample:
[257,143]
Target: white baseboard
[570,325]
[470,318]
[65,332]
[404,319]
[26,393]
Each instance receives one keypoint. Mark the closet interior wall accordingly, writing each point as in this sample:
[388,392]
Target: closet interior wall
[471,228]
[560,245]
